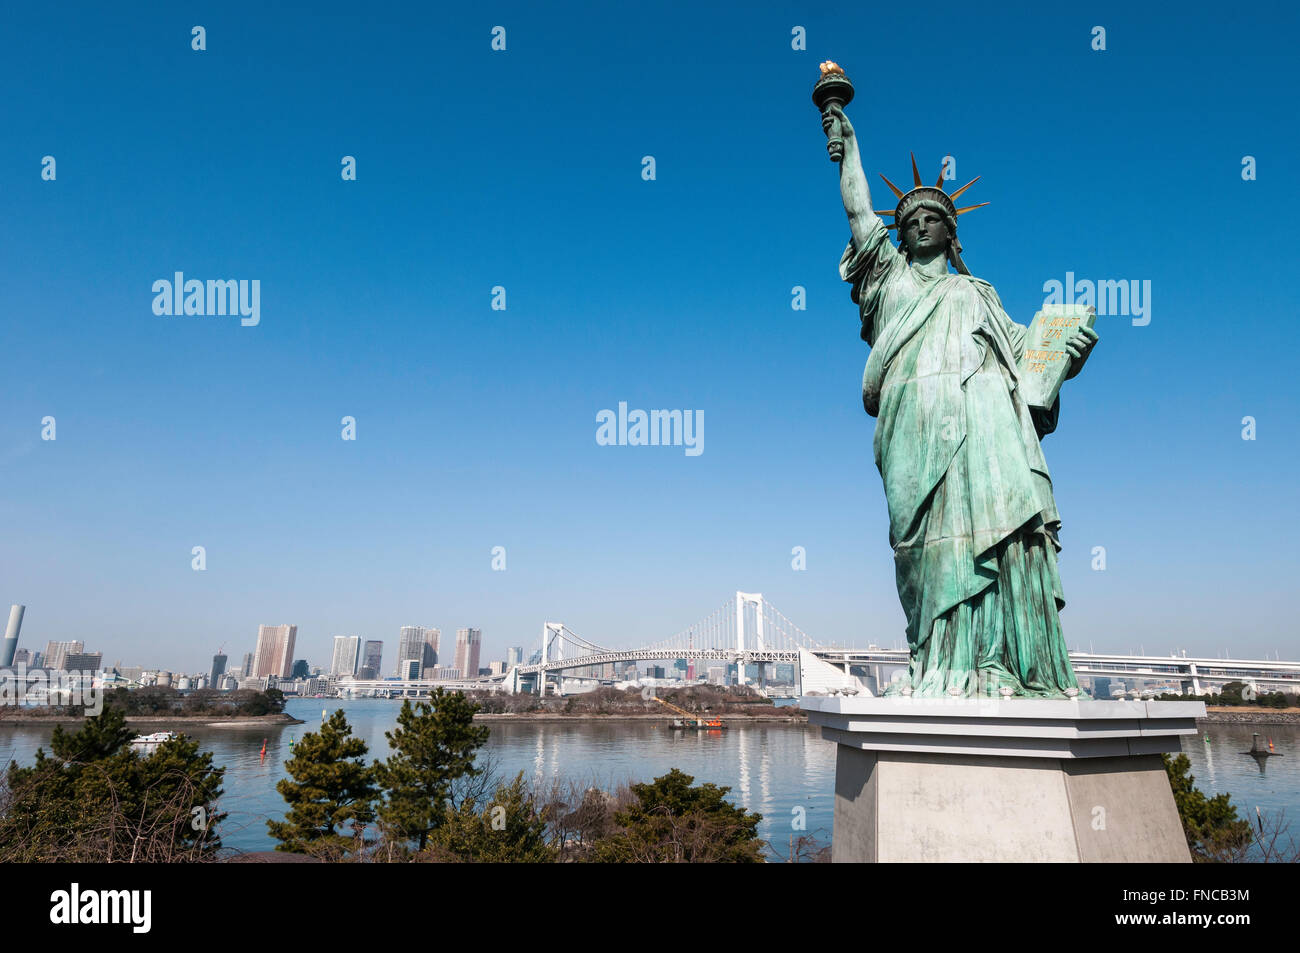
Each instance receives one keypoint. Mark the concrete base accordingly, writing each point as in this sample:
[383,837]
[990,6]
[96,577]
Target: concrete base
[1010,781]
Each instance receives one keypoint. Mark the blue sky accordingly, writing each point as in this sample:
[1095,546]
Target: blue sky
[476,428]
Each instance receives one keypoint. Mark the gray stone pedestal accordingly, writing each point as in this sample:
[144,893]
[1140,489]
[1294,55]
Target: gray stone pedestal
[1014,780]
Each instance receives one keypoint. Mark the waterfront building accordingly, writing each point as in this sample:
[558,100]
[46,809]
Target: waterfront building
[218,669]
[347,655]
[372,657]
[274,656]
[419,643]
[246,669]
[56,653]
[300,669]
[468,643]
[82,661]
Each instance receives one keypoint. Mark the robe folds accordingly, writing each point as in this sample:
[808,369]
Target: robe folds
[972,519]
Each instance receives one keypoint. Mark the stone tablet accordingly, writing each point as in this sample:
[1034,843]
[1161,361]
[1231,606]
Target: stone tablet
[1045,362]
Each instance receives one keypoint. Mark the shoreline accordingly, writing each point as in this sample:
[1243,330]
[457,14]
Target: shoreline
[202,721]
[768,717]
[1235,715]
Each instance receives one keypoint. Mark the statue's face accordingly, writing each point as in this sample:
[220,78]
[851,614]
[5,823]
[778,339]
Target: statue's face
[925,234]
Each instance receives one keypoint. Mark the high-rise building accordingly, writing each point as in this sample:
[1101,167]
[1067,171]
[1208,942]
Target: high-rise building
[300,669]
[372,659]
[274,655]
[347,655]
[218,669]
[413,642]
[431,639]
[514,656]
[56,653]
[468,643]
[246,670]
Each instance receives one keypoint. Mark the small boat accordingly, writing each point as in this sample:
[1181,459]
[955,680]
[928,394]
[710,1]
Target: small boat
[692,724]
[157,738]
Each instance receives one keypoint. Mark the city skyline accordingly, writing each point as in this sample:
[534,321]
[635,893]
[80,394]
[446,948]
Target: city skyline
[197,474]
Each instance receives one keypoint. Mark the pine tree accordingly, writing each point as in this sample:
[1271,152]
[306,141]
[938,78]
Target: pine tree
[674,822]
[95,799]
[433,745]
[510,829]
[329,785]
[1211,824]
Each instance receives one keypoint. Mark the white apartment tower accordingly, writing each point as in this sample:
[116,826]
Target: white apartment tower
[347,655]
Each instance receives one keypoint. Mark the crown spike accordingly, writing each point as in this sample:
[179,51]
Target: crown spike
[898,193]
[964,187]
[970,208]
[939,184]
[916,174]
[886,211]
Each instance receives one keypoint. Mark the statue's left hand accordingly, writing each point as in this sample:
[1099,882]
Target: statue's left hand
[1079,347]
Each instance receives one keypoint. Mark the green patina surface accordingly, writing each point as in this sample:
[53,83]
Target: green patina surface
[973,521]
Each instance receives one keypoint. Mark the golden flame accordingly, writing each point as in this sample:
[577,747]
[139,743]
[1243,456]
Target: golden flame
[828,67]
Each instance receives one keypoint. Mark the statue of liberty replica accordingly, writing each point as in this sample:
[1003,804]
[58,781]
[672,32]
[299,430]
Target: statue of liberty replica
[972,520]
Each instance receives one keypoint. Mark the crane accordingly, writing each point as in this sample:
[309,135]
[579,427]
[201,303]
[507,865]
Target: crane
[691,721]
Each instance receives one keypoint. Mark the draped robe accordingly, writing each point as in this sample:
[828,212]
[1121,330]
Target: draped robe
[972,520]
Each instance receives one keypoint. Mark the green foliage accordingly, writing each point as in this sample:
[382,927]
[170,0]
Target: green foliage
[96,799]
[1211,824]
[329,786]
[673,821]
[269,702]
[433,745]
[510,829]
[157,700]
[1230,693]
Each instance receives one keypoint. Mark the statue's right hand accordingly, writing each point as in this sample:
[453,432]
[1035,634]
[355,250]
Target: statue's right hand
[834,117]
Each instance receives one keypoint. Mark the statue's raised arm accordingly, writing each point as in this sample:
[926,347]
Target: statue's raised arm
[842,146]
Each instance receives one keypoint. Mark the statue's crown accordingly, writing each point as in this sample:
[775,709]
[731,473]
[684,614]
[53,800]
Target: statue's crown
[921,194]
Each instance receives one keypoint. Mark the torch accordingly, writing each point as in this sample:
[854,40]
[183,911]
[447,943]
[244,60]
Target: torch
[833,89]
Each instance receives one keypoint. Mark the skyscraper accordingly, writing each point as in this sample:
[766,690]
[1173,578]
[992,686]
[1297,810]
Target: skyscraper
[419,643]
[218,669]
[274,655]
[431,639]
[56,653]
[347,655]
[372,659]
[514,656]
[247,668]
[468,642]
